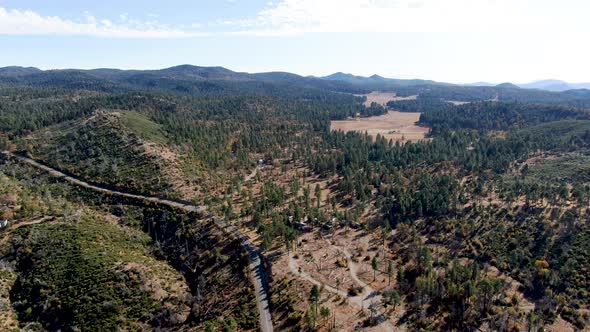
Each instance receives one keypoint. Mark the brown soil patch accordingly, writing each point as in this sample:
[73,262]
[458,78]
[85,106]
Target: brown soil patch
[164,285]
[183,184]
[512,289]
[560,325]
[322,258]
[398,126]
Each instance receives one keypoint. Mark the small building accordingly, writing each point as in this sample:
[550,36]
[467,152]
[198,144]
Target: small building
[3,223]
[328,225]
[266,161]
[303,227]
[355,225]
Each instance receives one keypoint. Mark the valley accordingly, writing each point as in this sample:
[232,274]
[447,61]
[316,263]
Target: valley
[201,199]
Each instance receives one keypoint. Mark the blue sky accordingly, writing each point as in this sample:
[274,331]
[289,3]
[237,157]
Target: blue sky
[450,40]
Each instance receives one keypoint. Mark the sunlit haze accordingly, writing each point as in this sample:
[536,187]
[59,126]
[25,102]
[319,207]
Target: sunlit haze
[457,41]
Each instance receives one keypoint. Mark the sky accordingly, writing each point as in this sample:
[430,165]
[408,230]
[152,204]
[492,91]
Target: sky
[458,41]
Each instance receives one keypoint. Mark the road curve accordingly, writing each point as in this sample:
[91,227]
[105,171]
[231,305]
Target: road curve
[257,270]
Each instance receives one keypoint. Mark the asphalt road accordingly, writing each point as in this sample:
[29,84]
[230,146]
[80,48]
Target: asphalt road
[256,267]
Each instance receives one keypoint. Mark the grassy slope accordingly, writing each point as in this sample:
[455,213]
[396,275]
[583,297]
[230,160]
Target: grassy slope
[87,274]
[143,127]
[565,169]
[107,272]
[79,268]
[106,148]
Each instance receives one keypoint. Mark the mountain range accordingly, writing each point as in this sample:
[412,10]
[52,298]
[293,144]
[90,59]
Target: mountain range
[186,77]
[555,85]
[548,85]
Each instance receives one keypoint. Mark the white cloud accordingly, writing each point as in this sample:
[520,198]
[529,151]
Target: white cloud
[288,17]
[17,22]
[293,17]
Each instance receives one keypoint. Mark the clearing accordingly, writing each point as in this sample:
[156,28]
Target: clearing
[458,102]
[382,98]
[335,262]
[398,126]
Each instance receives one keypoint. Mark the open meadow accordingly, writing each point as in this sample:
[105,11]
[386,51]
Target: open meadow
[398,126]
[382,98]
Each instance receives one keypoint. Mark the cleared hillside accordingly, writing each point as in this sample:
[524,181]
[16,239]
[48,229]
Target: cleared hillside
[111,264]
[123,149]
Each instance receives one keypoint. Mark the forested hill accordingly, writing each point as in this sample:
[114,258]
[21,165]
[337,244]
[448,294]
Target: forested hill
[184,79]
[496,116]
[188,79]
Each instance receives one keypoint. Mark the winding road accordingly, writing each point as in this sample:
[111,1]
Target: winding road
[256,262]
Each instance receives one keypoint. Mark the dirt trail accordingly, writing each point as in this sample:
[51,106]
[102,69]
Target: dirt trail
[353,268]
[21,224]
[253,174]
[361,301]
[258,272]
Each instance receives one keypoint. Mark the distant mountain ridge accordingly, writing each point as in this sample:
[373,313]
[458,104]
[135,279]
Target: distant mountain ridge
[507,85]
[555,85]
[376,79]
[18,71]
[196,79]
[479,84]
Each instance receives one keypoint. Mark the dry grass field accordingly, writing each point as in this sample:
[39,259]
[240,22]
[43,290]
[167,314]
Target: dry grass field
[382,98]
[399,126]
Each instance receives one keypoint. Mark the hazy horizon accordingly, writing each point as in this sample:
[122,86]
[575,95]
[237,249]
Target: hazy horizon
[457,41]
[318,76]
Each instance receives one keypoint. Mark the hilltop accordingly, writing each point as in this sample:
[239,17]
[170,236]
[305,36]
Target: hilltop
[123,149]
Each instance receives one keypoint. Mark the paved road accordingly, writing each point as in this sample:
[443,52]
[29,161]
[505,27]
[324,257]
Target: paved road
[255,257]
[257,272]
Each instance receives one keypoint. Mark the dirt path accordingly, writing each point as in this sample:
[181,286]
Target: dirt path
[251,176]
[353,268]
[361,301]
[30,222]
[21,224]
[368,292]
[258,272]
[296,270]
[56,173]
